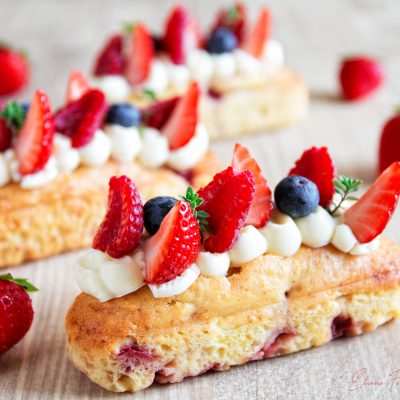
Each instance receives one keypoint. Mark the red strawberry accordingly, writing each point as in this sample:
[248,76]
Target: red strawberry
[14,71]
[359,76]
[16,312]
[34,144]
[5,135]
[316,165]
[182,35]
[256,38]
[77,86]
[140,55]
[181,125]
[157,114]
[369,216]
[261,205]
[111,61]
[174,247]
[227,200]
[81,118]
[233,18]
[122,227]
[389,148]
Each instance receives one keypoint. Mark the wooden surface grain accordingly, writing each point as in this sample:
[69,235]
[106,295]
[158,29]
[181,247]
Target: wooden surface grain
[62,35]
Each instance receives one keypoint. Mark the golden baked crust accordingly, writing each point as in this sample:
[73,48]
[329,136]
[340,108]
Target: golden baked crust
[269,101]
[65,214]
[270,306]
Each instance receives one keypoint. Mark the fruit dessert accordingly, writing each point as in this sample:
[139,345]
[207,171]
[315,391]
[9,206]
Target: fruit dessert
[55,167]
[222,276]
[16,312]
[247,87]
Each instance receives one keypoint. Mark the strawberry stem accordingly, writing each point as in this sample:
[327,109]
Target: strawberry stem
[20,282]
[195,201]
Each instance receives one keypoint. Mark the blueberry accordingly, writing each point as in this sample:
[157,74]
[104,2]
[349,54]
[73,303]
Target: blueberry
[25,106]
[296,196]
[155,210]
[123,114]
[222,40]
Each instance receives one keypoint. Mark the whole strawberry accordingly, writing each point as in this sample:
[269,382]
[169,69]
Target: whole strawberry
[359,76]
[14,71]
[16,312]
[389,148]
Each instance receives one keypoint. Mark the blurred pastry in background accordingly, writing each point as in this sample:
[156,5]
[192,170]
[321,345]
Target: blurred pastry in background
[247,87]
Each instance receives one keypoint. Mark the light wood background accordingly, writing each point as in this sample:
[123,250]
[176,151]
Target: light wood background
[64,34]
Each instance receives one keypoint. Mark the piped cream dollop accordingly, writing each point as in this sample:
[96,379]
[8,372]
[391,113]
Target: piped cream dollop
[282,234]
[177,285]
[191,153]
[213,264]
[125,142]
[317,228]
[105,278]
[250,245]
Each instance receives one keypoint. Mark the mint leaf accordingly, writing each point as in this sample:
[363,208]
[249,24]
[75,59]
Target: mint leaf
[14,114]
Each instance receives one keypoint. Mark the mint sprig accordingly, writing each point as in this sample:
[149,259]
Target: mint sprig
[14,114]
[195,201]
[19,281]
[151,94]
[344,186]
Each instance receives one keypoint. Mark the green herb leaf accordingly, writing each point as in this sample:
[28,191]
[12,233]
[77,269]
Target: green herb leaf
[19,281]
[127,27]
[14,115]
[344,185]
[195,201]
[150,93]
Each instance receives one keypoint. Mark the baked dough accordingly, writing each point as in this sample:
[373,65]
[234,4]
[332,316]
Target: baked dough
[247,104]
[64,215]
[267,307]
[254,104]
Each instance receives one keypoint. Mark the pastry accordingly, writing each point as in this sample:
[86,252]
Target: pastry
[225,276]
[247,88]
[53,186]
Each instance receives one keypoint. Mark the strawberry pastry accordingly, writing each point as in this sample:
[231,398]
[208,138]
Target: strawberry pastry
[247,88]
[55,166]
[232,273]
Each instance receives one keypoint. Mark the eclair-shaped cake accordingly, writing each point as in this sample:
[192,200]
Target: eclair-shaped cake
[55,166]
[247,87]
[222,276]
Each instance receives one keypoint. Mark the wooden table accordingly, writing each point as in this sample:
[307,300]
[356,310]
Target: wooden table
[62,35]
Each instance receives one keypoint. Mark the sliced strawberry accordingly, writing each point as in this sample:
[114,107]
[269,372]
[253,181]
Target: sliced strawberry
[182,35]
[140,55]
[316,164]
[261,205]
[34,145]
[77,86]
[389,148]
[227,200]
[369,216]
[81,118]
[111,61]
[181,125]
[157,113]
[5,135]
[233,18]
[122,227]
[256,38]
[360,76]
[174,247]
